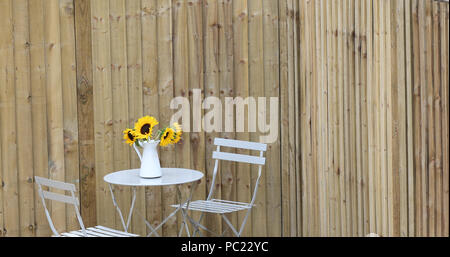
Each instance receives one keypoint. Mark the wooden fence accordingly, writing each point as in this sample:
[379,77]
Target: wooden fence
[363,99]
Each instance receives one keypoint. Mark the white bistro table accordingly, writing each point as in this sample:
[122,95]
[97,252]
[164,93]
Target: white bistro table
[170,176]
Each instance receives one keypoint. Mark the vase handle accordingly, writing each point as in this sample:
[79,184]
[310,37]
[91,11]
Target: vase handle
[138,152]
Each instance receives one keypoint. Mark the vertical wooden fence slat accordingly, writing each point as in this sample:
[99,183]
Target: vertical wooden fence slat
[256,90]
[69,97]
[133,37]
[444,16]
[211,87]
[417,114]
[431,150]
[85,107]
[392,130]
[196,78]
[436,108]
[181,84]
[119,87]
[353,219]
[166,89]
[329,92]
[364,118]
[284,129]
[271,89]
[55,120]
[226,85]
[292,46]
[101,68]
[150,95]
[241,85]
[322,120]
[38,109]
[23,117]
[409,61]
[8,123]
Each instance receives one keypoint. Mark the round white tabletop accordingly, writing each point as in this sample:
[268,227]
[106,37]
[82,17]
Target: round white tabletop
[170,176]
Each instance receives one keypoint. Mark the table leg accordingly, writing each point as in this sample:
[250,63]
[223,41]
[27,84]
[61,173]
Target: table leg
[177,210]
[125,227]
[184,211]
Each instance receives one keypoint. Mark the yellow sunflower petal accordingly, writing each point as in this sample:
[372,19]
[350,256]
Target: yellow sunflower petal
[178,132]
[167,137]
[144,127]
[130,136]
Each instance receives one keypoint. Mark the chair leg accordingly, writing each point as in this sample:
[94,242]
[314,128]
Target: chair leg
[230,225]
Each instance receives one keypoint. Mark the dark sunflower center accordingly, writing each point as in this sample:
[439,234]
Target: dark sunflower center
[145,129]
[130,136]
[166,135]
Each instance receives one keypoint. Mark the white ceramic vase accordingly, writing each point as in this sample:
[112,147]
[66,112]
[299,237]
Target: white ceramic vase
[150,165]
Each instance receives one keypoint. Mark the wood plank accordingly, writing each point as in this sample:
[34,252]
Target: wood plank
[85,112]
[364,118]
[392,140]
[353,219]
[101,66]
[417,118]
[119,94]
[69,94]
[297,51]
[444,16]
[330,141]
[38,108]
[150,95]
[165,91]
[403,120]
[241,84]
[23,117]
[293,178]
[436,106]
[409,108]
[371,117]
[196,78]
[346,118]
[284,98]
[256,80]
[271,89]
[322,154]
[431,150]
[359,197]
[211,45]
[8,123]
[55,120]
[132,34]
[181,86]
[340,147]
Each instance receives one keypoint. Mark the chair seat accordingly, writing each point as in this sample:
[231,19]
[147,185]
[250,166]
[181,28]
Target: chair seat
[98,231]
[216,206]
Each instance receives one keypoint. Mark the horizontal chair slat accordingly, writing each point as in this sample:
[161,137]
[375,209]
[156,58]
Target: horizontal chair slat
[239,158]
[55,184]
[240,144]
[59,197]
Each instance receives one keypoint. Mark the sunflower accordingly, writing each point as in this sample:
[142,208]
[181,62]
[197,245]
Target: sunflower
[167,136]
[178,132]
[130,136]
[144,127]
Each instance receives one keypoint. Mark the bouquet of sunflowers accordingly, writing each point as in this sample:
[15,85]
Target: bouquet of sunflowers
[143,132]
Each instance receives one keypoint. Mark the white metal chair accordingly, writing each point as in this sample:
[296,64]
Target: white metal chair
[223,207]
[97,231]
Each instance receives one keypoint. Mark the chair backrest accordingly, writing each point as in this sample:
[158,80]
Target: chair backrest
[243,158]
[72,199]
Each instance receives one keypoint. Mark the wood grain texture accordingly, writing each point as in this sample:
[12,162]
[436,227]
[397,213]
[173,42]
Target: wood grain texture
[360,95]
[85,111]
